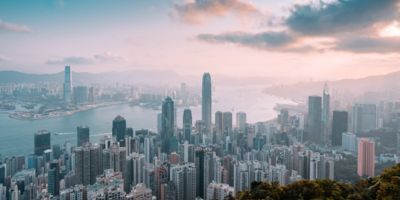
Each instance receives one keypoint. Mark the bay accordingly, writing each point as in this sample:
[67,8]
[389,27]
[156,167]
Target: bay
[16,136]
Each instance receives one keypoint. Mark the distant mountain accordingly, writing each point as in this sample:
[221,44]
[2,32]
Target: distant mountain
[83,77]
[372,88]
[19,77]
[151,77]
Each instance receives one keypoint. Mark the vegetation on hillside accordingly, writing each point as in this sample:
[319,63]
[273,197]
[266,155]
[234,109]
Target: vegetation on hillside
[384,186]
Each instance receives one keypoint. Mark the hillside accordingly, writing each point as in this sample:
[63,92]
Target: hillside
[384,186]
[372,87]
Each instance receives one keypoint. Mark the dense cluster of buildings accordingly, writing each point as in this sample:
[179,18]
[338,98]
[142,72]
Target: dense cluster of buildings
[198,159]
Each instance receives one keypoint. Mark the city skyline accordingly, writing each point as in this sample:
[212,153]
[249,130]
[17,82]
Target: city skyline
[213,161]
[239,37]
[199,99]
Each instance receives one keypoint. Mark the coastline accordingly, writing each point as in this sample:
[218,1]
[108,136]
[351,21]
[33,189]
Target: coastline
[29,116]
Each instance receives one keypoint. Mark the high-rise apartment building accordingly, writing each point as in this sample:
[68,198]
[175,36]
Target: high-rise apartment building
[88,163]
[366,157]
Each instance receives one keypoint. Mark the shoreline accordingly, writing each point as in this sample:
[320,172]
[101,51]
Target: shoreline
[58,114]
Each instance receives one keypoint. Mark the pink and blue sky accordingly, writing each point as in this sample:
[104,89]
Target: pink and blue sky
[320,39]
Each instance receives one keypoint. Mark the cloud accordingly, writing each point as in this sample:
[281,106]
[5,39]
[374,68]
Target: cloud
[349,25]
[341,16]
[73,60]
[265,40]
[198,11]
[14,27]
[106,57]
[368,44]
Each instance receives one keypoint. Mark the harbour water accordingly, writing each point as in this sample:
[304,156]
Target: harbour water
[16,136]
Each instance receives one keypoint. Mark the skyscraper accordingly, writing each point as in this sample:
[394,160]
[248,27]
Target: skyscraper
[364,118]
[167,124]
[349,142]
[325,117]
[314,131]
[82,135]
[187,124]
[241,121]
[184,179]
[206,102]
[91,95]
[339,126]
[42,141]
[366,157]
[88,164]
[54,178]
[119,129]
[134,171]
[227,123]
[219,125]
[80,95]
[67,93]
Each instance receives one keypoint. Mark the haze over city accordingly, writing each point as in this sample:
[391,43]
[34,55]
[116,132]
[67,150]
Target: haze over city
[301,39]
[199,99]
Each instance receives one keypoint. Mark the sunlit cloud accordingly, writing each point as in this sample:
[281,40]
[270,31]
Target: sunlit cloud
[340,22]
[199,11]
[392,30]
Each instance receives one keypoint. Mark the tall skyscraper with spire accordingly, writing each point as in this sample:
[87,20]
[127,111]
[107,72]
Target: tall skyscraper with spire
[67,95]
[206,102]
[325,113]
[167,125]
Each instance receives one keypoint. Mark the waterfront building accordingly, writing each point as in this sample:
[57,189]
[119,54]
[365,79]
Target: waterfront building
[82,135]
[67,92]
[119,129]
[42,142]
